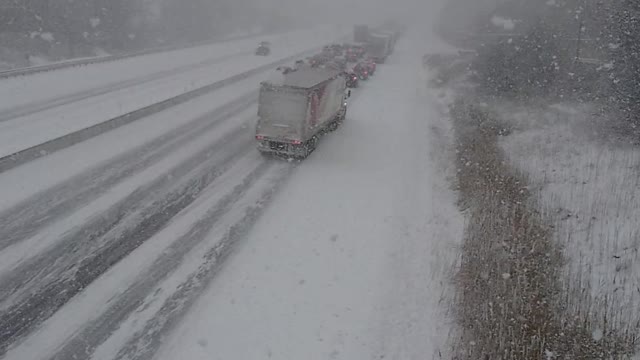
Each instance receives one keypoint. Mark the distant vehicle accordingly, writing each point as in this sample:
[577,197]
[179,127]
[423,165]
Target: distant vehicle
[359,49]
[352,79]
[379,47]
[351,57]
[354,52]
[393,37]
[285,69]
[371,65]
[362,70]
[361,33]
[264,49]
[293,114]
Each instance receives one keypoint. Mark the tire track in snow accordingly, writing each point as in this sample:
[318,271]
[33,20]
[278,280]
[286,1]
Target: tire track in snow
[133,299]
[92,249]
[33,214]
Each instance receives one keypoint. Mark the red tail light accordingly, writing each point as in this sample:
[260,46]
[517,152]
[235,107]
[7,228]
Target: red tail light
[297,142]
[259,137]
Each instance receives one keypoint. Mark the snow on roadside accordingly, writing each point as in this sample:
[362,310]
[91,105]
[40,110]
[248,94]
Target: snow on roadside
[590,188]
[353,261]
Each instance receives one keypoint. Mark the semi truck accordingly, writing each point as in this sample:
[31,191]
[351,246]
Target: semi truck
[393,37]
[295,111]
[379,46]
[361,33]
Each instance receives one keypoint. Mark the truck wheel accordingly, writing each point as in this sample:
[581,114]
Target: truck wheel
[310,146]
[343,115]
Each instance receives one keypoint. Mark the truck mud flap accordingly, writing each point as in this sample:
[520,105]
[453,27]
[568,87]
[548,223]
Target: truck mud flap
[278,146]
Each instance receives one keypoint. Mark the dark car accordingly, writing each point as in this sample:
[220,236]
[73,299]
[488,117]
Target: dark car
[352,79]
[263,49]
[359,50]
[362,70]
[351,55]
[354,52]
[371,65]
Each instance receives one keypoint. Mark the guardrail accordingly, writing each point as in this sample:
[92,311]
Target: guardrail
[102,59]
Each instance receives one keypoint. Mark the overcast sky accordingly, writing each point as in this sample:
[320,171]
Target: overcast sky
[353,11]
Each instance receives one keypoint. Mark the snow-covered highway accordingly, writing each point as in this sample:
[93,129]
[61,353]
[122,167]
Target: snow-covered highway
[171,237]
[46,106]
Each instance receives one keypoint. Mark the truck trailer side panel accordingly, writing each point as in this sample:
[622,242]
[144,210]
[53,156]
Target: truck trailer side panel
[380,46]
[325,103]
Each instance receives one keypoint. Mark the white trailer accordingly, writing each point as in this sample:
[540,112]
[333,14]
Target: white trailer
[379,47]
[295,112]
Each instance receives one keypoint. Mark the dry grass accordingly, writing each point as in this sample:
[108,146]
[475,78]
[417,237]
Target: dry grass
[513,300]
[506,278]
[589,189]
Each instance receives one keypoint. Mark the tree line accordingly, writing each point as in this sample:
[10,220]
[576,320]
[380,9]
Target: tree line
[122,25]
[579,49]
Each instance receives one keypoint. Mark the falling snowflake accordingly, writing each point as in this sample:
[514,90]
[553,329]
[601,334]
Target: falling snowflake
[597,335]
[47,36]
[95,22]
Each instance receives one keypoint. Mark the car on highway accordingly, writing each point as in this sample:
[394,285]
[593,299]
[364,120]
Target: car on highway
[264,49]
[371,65]
[354,52]
[352,79]
[361,70]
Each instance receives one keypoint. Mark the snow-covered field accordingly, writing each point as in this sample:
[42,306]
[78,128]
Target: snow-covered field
[171,237]
[589,188]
